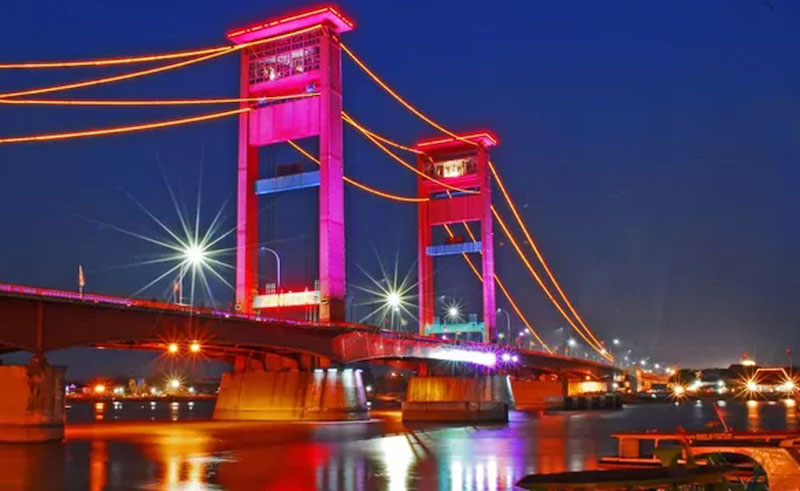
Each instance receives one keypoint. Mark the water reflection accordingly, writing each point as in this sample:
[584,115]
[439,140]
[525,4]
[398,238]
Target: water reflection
[98,460]
[397,459]
[384,454]
[753,418]
[791,413]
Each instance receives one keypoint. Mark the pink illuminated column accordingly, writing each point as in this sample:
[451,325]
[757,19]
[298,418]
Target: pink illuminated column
[246,208]
[461,163]
[297,56]
[427,306]
[331,186]
[487,240]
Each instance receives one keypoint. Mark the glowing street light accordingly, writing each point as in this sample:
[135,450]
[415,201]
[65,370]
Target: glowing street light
[194,347]
[394,300]
[390,296]
[172,348]
[572,343]
[194,254]
[616,342]
[174,383]
[99,389]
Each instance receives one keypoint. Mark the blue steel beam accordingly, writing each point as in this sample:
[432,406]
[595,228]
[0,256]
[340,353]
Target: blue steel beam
[450,249]
[287,183]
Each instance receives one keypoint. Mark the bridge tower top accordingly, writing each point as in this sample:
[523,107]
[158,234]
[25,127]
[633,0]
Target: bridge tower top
[458,188]
[295,22]
[297,58]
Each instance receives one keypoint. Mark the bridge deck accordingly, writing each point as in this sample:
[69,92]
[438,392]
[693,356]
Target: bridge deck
[46,319]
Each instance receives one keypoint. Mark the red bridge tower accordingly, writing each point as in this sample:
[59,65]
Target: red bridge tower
[306,59]
[461,163]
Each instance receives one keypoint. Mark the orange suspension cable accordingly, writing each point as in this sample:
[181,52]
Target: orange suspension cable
[112,61]
[151,71]
[546,290]
[505,292]
[402,162]
[502,288]
[399,99]
[538,254]
[115,78]
[347,119]
[441,128]
[122,129]
[359,185]
[148,102]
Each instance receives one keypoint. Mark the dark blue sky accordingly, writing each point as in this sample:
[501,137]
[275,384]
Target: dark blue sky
[655,147]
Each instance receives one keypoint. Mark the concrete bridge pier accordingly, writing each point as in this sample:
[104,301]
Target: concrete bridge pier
[280,390]
[479,398]
[537,394]
[32,404]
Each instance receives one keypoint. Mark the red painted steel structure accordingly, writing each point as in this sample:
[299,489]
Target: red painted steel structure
[45,319]
[464,163]
[307,62]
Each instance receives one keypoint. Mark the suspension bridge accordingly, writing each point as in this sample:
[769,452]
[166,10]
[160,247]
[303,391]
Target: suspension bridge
[290,90]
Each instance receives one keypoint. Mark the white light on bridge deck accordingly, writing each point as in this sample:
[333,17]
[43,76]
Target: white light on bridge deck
[477,357]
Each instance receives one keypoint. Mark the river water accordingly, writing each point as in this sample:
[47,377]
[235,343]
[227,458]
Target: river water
[176,446]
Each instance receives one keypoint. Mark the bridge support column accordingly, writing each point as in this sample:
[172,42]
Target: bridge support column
[32,404]
[458,399]
[296,395]
[538,395]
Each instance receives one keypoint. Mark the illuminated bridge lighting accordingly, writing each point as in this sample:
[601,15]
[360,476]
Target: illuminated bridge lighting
[487,359]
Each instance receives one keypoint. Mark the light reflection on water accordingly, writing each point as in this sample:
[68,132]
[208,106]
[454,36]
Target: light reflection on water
[121,448]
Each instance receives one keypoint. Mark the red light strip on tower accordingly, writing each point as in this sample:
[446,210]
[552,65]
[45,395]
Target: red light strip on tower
[470,137]
[284,20]
[122,129]
[359,185]
[538,254]
[151,71]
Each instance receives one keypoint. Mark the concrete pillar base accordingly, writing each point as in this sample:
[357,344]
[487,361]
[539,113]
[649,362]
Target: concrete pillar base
[458,399]
[538,395]
[318,395]
[32,405]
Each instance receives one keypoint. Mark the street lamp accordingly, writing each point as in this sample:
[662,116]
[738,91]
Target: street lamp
[571,344]
[277,265]
[194,256]
[453,313]
[508,321]
[393,300]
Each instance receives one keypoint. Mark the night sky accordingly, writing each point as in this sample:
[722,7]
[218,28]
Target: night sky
[653,146]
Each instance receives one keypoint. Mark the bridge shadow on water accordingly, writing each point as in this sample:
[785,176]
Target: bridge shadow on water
[166,446]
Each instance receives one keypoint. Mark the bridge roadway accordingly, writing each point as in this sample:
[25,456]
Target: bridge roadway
[40,319]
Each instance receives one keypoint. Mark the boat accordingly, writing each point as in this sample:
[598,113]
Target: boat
[673,477]
[770,459]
